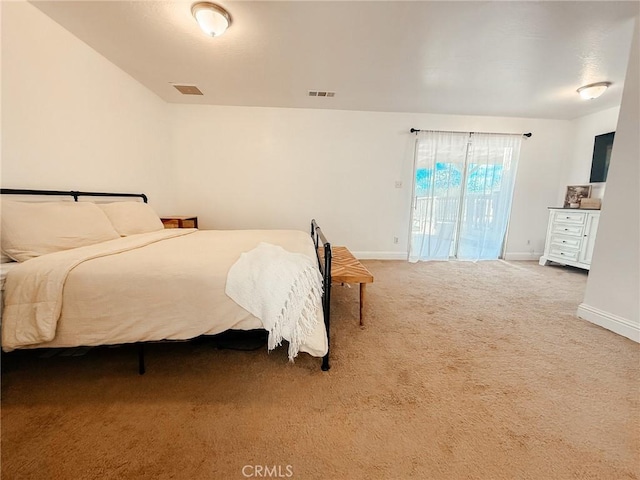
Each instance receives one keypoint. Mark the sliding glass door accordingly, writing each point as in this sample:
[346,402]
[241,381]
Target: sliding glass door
[462,195]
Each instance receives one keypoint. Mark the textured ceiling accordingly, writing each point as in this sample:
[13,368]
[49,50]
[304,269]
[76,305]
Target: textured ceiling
[475,58]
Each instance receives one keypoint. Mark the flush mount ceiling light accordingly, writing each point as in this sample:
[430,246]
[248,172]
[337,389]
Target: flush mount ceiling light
[594,90]
[213,19]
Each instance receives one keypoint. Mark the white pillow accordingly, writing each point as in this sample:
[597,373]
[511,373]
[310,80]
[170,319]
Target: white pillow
[33,229]
[130,218]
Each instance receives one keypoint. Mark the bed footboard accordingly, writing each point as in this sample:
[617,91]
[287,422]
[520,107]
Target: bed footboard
[323,254]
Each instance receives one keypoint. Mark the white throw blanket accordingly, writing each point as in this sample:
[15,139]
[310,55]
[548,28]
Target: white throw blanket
[282,289]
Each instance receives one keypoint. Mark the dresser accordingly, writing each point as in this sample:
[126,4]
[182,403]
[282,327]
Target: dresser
[571,236]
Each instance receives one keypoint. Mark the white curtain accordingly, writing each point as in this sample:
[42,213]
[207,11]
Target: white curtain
[462,195]
[490,179]
[439,168]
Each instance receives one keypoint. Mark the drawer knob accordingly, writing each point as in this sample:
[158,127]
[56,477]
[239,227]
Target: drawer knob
[567,218]
[566,229]
[564,241]
[561,253]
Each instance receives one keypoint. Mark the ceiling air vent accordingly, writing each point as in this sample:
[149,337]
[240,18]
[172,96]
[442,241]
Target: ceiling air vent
[316,93]
[188,89]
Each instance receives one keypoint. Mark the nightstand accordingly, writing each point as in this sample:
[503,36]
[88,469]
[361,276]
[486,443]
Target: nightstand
[180,222]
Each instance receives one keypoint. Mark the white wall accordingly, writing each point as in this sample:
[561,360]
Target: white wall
[73,120]
[586,128]
[251,167]
[612,298]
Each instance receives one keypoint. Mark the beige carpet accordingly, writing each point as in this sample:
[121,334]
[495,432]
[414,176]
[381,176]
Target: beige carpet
[477,371]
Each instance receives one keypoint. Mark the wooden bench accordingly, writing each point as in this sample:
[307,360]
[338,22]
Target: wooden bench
[345,268]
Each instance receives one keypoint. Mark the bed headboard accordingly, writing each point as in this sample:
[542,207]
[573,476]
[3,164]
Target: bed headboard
[72,193]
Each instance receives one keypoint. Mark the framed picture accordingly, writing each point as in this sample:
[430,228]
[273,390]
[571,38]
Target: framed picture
[575,193]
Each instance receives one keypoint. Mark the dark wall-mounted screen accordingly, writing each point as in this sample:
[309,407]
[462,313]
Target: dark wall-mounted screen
[601,157]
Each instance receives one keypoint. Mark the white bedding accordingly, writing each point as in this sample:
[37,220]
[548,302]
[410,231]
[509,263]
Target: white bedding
[4,270]
[171,288]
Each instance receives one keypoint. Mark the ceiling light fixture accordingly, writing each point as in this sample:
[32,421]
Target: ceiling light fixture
[593,90]
[213,19]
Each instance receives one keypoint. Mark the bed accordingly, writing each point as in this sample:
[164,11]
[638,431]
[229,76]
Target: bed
[140,285]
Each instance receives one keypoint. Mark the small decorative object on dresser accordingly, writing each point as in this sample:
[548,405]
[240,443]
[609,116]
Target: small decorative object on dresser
[571,236]
[575,193]
[591,203]
[180,222]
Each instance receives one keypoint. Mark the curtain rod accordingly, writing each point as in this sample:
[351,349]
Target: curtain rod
[416,130]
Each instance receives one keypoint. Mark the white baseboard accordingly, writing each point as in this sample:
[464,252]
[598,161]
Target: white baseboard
[380,255]
[522,256]
[612,322]
[404,256]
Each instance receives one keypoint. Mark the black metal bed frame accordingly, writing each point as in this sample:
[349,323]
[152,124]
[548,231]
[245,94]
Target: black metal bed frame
[323,254]
[67,193]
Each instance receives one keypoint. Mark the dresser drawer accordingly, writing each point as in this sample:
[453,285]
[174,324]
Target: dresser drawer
[171,223]
[567,229]
[570,217]
[564,254]
[564,242]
